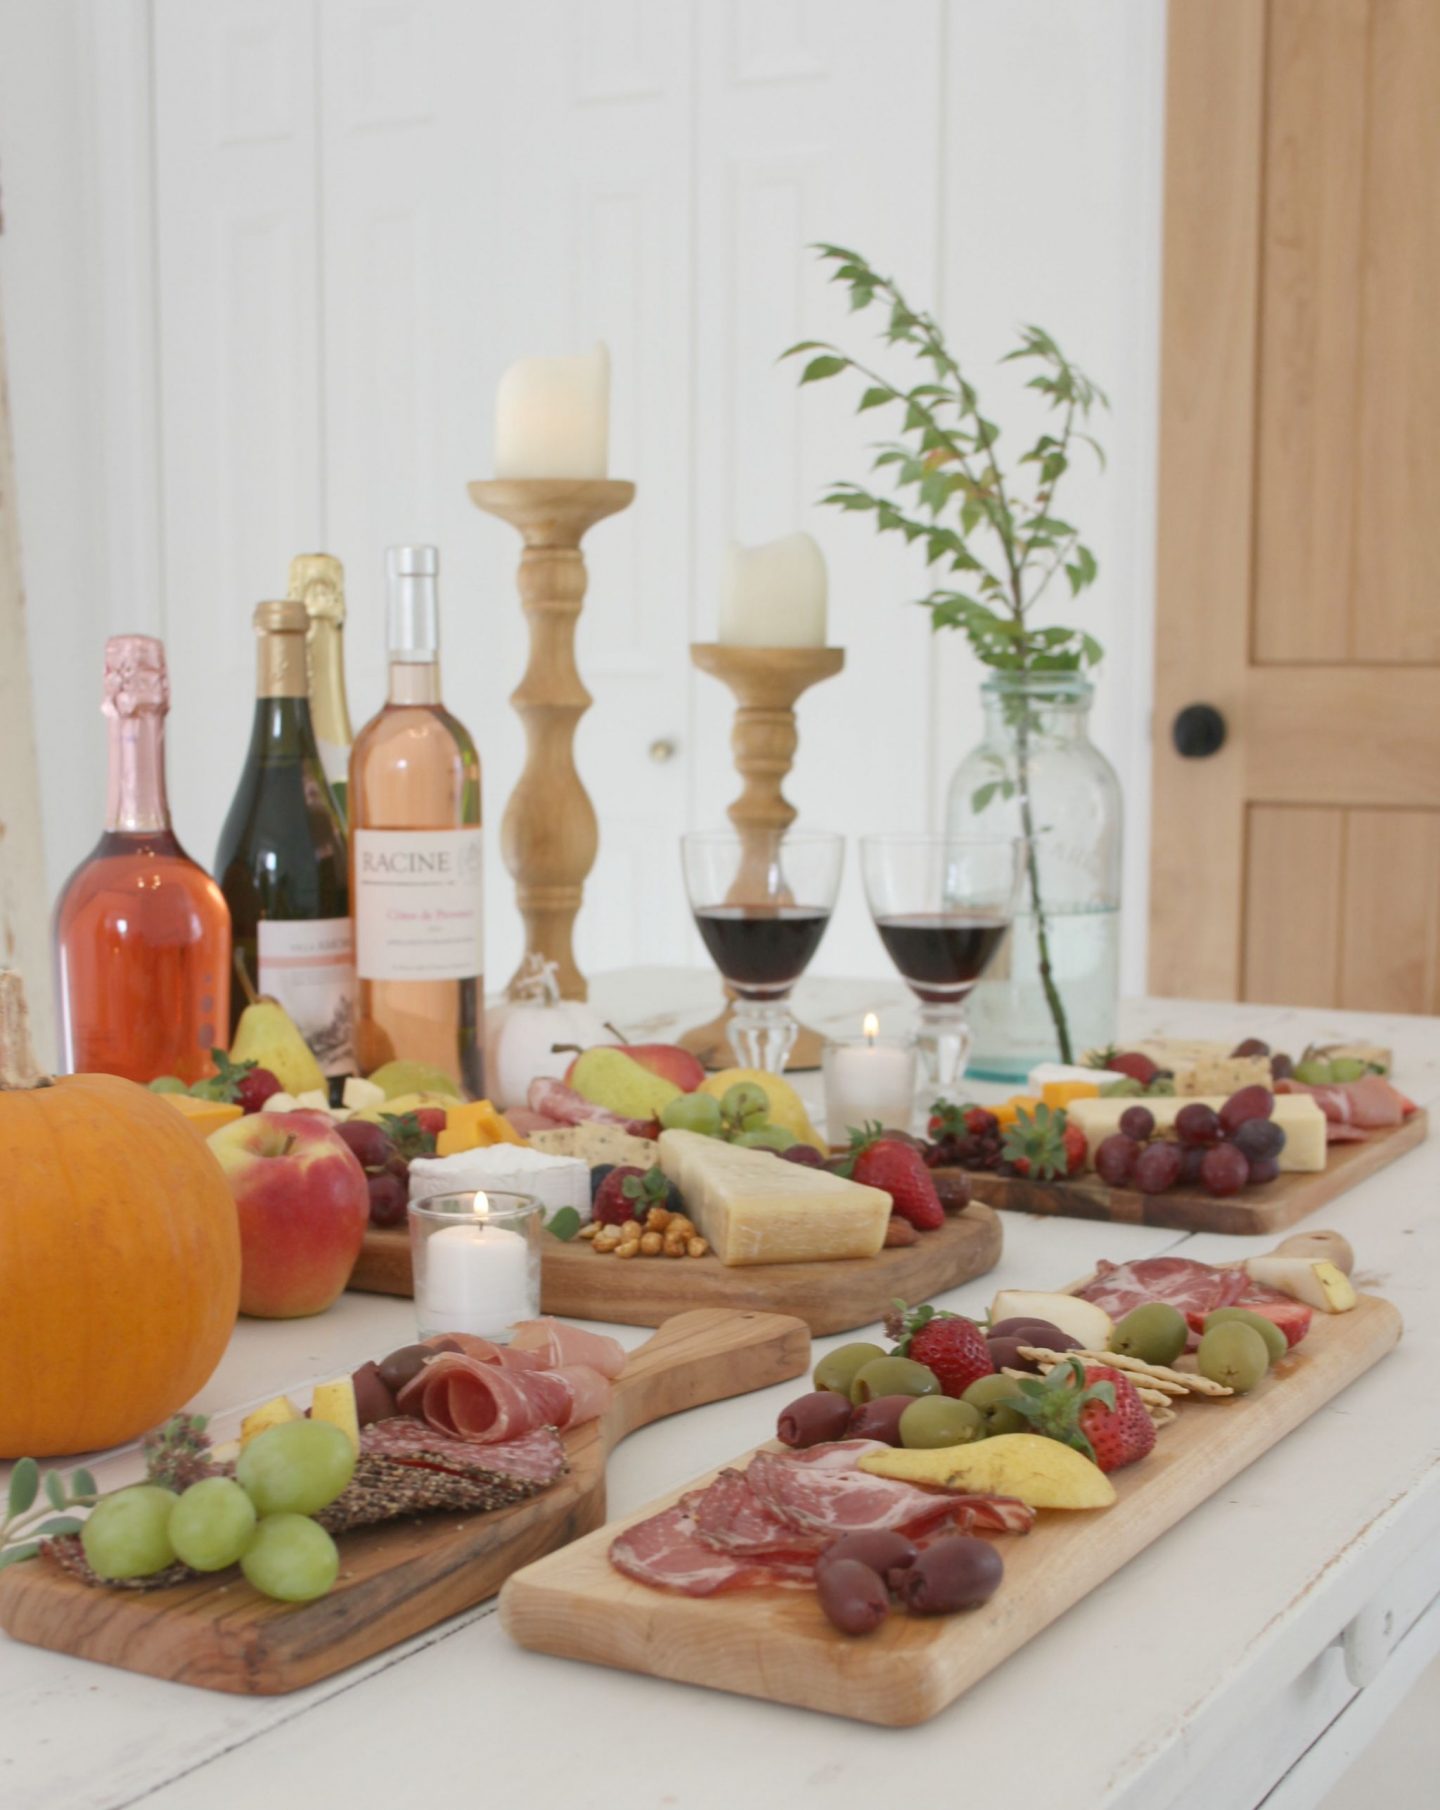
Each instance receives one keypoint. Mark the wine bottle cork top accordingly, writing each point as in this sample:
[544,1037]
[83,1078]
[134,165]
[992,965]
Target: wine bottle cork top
[281,616]
[318,581]
[136,682]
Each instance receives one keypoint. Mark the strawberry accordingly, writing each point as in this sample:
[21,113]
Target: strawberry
[1077,1148]
[1091,1407]
[431,1119]
[628,1192]
[412,1137]
[946,1121]
[1045,1144]
[953,1347]
[898,1169]
[252,1090]
[1131,1062]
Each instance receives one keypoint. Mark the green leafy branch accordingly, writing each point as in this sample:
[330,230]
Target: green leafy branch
[29,1519]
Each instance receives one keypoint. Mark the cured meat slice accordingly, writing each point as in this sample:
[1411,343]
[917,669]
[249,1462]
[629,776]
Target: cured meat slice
[590,1393]
[554,1100]
[1195,1288]
[554,1345]
[537,1457]
[838,1454]
[666,1553]
[507,1356]
[818,1499]
[991,1514]
[466,1399]
[731,1517]
[1369,1104]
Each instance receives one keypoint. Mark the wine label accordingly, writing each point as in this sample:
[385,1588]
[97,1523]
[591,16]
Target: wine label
[335,759]
[419,904]
[308,964]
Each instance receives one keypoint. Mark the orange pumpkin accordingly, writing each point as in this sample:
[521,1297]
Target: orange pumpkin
[119,1255]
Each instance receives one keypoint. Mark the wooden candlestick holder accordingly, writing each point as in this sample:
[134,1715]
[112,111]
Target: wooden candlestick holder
[549,836]
[767,683]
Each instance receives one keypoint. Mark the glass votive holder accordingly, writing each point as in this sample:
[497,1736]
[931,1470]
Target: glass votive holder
[476,1262]
[868,1079]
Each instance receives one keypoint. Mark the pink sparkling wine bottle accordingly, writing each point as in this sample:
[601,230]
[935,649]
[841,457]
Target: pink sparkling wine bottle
[142,934]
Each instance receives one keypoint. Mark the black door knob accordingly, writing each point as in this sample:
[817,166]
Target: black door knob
[1198,731]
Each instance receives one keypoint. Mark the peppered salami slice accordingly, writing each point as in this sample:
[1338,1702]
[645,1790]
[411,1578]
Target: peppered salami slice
[537,1457]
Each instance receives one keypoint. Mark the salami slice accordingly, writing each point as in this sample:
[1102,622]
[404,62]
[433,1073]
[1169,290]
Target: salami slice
[537,1457]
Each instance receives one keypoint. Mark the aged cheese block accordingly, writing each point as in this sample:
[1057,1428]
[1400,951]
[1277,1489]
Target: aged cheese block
[555,1181]
[1223,1075]
[1297,1114]
[755,1208]
[205,1115]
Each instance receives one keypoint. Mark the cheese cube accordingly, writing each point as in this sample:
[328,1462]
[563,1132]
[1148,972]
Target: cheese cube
[1045,1073]
[555,1181]
[1297,1115]
[756,1208]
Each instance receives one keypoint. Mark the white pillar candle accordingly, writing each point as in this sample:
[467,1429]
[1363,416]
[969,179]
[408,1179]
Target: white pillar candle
[477,1279]
[774,596]
[868,1079]
[552,418]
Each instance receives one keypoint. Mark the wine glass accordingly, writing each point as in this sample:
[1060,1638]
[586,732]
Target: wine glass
[761,900]
[943,906]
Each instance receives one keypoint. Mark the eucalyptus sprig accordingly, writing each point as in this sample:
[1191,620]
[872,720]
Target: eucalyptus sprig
[28,1520]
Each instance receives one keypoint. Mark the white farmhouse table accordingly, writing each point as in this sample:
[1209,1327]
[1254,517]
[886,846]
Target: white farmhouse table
[1247,1656]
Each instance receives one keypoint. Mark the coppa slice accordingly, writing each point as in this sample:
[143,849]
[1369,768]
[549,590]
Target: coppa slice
[666,1553]
[1196,1289]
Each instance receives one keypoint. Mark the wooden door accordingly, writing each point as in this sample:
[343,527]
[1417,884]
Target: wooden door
[1299,527]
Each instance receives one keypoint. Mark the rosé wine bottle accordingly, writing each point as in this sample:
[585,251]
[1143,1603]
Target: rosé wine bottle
[417,871]
[142,934]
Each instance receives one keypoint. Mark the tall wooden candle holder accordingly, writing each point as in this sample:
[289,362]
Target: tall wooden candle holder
[549,836]
[767,683]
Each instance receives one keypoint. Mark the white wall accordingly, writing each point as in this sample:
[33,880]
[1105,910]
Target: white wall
[265,260]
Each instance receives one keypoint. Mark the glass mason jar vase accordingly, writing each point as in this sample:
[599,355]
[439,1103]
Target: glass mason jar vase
[1038,774]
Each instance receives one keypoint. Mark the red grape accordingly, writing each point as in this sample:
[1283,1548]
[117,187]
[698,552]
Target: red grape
[1115,1159]
[1252,1046]
[1138,1123]
[370,1145]
[254,1089]
[1262,1168]
[1137,1067]
[1249,1103]
[1225,1170]
[1197,1123]
[1260,1138]
[1157,1168]
[388,1195]
[1191,1157]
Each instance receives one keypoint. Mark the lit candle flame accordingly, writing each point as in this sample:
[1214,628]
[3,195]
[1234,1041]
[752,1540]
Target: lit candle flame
[872,1027]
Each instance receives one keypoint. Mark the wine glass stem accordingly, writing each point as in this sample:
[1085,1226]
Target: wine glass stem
[943,1040]
[763,1033]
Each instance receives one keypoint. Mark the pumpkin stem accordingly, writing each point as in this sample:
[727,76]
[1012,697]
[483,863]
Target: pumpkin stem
[18,1067]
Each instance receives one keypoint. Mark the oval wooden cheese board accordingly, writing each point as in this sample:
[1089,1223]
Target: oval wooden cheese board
[578,1284]
[403,1576]
[776,1644]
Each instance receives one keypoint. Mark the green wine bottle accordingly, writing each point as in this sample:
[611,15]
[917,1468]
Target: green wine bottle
[282,862]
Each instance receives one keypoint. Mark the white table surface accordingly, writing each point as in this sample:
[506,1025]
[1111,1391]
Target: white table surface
[1203,1673]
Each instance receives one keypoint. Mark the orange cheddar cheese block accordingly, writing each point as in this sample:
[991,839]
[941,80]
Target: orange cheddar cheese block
[475,1126]
[205,1115]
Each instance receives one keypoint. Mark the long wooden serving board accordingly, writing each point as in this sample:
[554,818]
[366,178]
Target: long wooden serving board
[830,1297]
[776,1644]
[1254,1212]
[402,1577]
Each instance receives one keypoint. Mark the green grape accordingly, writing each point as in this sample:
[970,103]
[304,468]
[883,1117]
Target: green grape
[127,1534]
[167,1084]
[296,1468]
[291,1558]
[693,1112]
[212,1524]
[746,1105]
[765,1137]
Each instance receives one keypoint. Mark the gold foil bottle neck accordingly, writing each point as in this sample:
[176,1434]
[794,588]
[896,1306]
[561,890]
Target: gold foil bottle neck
[318,581]
[281,669]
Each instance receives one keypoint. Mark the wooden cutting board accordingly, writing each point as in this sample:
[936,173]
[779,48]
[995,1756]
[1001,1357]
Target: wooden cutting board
[644,1291]
[776,1644]
[1256,1212]
[405,1576]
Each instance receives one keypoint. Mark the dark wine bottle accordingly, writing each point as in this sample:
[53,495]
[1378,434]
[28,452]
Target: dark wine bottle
[282,862]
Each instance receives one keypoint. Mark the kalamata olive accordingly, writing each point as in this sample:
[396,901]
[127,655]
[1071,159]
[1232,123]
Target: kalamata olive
[879,1419]
[812,1419]
[374,1399]
[1045,1335]
[958,1573]
[1281,1067]
[1004,1329]
[879,1548]
[1252,1046]
[953,1187]
[853,1597]
[400,1366]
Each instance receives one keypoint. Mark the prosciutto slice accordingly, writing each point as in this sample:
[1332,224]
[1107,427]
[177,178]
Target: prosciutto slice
[555,1101]
[1353,1108]
[553,1345]
[484,1403]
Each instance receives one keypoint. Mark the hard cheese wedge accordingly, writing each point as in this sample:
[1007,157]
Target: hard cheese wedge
[755,1208]
[205,1115]
[1297,1115]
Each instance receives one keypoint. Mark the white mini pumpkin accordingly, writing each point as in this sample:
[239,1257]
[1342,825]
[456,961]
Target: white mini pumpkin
[522,1032]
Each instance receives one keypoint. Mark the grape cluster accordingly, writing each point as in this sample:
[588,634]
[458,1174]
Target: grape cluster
[1221,1152]
[387,1174]
[969,1139]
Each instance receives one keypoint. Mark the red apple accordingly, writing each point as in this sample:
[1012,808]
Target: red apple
[303,1205]
[665,1059]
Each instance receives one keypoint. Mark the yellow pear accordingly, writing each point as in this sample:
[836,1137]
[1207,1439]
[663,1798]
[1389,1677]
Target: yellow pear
[268,1035]
[1039,1471]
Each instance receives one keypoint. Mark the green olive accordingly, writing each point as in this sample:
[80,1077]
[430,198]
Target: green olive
[1233,1354]
[893,1376]
[1275,1341]
[838,1369]
[937,1420]
[1156,1333]
[993,1396]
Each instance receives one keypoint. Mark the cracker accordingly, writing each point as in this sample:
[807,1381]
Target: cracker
[1157,1376]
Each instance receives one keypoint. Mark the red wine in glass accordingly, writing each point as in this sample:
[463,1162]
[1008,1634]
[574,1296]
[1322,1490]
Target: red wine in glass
[941,955]
[761,949]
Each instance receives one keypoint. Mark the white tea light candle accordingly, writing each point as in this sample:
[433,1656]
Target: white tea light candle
[552,418]
[476,1263]
[868,1079]
[775,595]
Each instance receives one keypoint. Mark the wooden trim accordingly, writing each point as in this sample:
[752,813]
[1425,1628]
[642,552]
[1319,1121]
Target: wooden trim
[1211,283]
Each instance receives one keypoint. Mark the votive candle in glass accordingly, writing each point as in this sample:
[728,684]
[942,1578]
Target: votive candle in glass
[868,1079]
[476,1262]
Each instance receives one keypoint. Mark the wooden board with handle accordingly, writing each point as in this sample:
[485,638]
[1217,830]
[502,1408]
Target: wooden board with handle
[776,1644]
[403,1576]
[643,1291]
[1253,1212]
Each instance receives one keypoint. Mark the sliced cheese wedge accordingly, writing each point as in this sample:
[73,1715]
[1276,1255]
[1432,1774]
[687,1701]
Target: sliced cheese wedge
[755,1208]
[1296,1114]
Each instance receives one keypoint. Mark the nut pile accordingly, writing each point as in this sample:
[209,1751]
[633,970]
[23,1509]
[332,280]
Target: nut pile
[662,1234]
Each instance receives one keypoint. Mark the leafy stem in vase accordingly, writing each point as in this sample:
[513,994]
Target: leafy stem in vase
[996,534]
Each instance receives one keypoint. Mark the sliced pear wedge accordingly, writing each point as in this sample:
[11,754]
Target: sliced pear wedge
[1313,1280]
